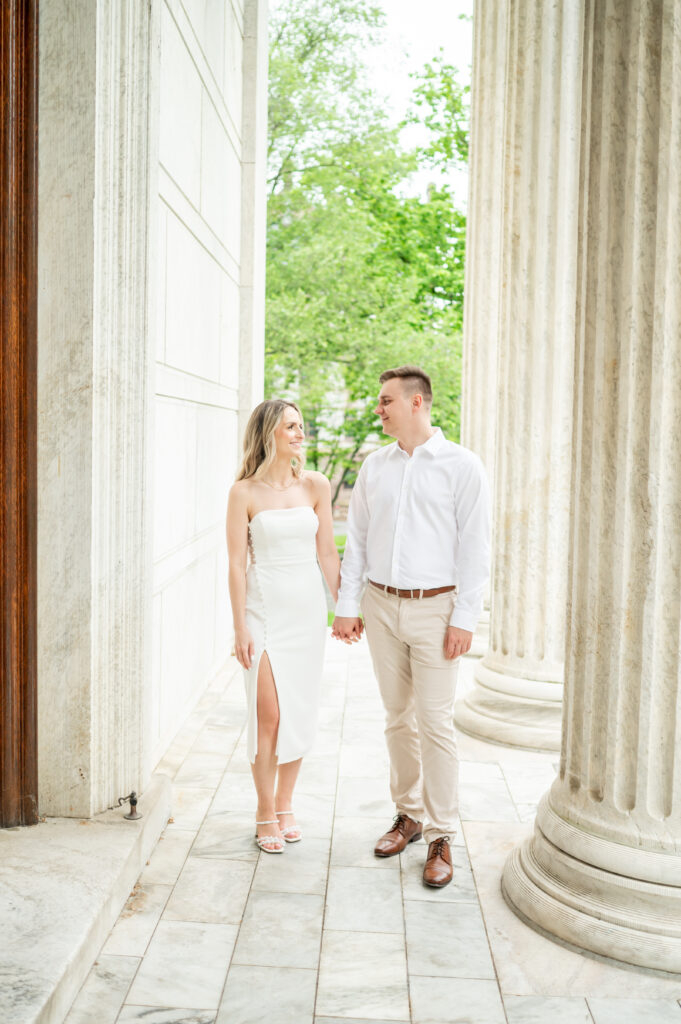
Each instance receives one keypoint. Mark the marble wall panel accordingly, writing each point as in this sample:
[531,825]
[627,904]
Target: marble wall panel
[187,641]
[180,110]
[216,440]
[207,344]
[220,180]
[175,445]
[229,332]
[192,317]
[234,68]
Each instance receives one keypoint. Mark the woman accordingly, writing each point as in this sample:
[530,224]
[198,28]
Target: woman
[280,515]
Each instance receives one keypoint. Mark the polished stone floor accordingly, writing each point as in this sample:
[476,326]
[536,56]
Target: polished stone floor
[217,933]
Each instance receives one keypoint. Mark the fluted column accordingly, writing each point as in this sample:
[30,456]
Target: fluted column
[483,247]
[96,76]
[603,869]
[518,684]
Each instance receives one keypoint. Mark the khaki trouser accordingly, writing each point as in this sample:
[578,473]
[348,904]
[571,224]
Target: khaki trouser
[417,684]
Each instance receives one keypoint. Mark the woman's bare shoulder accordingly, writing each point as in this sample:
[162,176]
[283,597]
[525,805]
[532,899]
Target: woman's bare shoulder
[240,492]
[317,480]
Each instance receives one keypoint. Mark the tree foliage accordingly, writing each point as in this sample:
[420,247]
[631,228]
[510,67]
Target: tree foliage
[361,275]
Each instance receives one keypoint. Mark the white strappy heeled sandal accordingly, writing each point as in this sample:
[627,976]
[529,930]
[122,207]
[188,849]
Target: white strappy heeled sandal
[274,841]
[288,832]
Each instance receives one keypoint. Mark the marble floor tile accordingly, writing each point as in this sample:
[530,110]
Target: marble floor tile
[211,890]
[314,814]
[132,932]
[227,838]
[168,857]
[473,772]
[185,965]
[527,783]
[363,975]
[455,1001]
[104,990]
[528,963]
[364,900]
[357,760]
[460,889]
[235,795]
[238,762]
[353,844]
[276,995]
[164,1015]
[367,797]
[280,930]
[202,770]
[486,800]
[355,1020]
[318,775]
[216,739]
[189,807]
[540,1010]
[635,1011]
[303,867]
[447,941]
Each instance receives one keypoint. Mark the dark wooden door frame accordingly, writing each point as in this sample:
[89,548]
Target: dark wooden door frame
[18,410]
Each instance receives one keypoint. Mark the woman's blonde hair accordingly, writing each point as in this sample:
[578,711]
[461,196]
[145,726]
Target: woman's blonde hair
[259,445]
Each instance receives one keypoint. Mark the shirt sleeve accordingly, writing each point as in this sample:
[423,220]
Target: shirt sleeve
[354,565]
[473,525]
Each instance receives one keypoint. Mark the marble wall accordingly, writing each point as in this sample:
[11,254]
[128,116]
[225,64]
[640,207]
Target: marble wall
[197,338]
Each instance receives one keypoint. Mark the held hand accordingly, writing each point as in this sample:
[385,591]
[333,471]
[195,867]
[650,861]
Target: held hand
[457,642]
[244,648]
[347,629]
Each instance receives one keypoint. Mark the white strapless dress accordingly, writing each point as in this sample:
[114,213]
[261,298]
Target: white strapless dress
[286,615]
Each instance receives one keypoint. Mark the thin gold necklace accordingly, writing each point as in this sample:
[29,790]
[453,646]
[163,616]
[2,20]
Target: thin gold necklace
[275,487]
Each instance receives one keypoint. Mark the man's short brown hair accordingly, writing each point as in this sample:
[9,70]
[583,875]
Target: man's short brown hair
[415,381]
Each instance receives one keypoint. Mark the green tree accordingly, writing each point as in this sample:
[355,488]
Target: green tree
[360,274]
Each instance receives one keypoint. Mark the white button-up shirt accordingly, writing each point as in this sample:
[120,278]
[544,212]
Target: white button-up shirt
[419,521]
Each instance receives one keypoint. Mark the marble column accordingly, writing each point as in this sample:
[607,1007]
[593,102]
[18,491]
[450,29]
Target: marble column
[516,698]
[603,868]
[483,247]
[95,76]
[253,211]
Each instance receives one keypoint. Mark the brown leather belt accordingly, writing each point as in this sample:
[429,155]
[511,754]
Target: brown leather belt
[433,592]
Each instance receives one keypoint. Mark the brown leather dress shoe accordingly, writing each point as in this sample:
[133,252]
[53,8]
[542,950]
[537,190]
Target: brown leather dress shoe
[438,869]
[404,831]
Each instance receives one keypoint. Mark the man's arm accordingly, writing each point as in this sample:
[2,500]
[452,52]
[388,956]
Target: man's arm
[473,526]
[347,624]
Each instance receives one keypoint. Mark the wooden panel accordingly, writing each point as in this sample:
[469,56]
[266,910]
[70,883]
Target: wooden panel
[18,410]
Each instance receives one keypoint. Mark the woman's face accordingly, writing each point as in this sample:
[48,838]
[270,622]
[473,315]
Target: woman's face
[289,434]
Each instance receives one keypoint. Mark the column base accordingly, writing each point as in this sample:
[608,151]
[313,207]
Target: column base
[511,710]
[631,919]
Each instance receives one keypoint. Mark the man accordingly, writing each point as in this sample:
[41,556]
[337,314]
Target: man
[418,537]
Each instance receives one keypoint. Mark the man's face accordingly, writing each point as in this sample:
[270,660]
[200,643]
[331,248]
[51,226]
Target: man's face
[394,407]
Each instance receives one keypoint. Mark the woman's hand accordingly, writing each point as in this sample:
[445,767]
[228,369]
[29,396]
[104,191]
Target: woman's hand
[244,648]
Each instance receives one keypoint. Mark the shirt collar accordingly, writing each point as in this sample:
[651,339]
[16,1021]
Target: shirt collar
[432,446]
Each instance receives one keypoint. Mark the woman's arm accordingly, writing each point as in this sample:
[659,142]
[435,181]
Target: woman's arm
[326,546]
[237,551]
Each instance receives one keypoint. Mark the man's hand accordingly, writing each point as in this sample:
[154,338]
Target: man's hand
[347,629]
[457,642]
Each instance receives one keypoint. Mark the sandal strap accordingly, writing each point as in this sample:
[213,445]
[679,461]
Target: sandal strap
[275,822]
[283,812]
[268,839]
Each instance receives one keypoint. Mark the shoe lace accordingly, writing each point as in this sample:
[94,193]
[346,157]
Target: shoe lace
[439,846]
[399,821]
